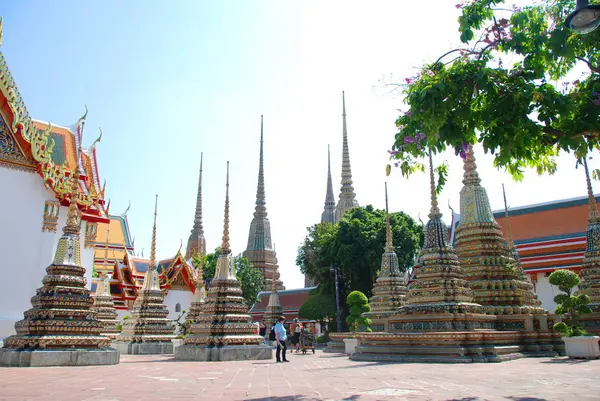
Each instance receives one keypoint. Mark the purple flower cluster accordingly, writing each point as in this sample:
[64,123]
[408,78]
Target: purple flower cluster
[462,151]
[596,101]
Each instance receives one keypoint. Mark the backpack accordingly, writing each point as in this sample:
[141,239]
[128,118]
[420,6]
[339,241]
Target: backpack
[272,336]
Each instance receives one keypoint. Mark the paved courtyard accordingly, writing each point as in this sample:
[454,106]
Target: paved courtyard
[306,377]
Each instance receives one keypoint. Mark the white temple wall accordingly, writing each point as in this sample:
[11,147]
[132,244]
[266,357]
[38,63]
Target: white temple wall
[174,297]
[26,250]
[546,291]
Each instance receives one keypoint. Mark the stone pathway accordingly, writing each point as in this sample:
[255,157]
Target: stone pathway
[305,378]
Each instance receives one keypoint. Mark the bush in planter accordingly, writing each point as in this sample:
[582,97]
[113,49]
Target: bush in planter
[359,304]
[569,305]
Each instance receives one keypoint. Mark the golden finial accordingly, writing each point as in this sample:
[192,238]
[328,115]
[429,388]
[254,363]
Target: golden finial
[389,246]
[435,210]
[152,265]
[126,210]
[225,247]
[73,225]
[103,189]
[93,146]
[594,215]
[509,238]
[0,31]
[471,176]
[180,245]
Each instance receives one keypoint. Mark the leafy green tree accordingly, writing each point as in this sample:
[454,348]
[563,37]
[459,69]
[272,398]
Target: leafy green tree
[251,279]
[524,113]
[356,244]
[210,264]
[320,307]
[358,304]
[569,305]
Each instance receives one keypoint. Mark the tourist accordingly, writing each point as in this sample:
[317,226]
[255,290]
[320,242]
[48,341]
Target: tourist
[296,337]
[280,337]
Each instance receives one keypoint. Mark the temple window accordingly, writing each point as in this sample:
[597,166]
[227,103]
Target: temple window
[178,307]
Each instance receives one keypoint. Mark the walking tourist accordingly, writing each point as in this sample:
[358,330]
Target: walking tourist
[280,337]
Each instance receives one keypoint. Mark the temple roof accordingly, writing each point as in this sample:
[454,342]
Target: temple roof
[291,300]
[49,149]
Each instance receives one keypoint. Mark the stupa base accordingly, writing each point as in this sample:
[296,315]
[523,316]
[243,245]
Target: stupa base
[336,342]
[228,353]
[26,358]
[144,348]
[450,347]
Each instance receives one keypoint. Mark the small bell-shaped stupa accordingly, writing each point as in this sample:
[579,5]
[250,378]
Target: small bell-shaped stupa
[224,331]
[590,274]
[105,308]
[496,282]
[61,329]
[148,331]
[389,291]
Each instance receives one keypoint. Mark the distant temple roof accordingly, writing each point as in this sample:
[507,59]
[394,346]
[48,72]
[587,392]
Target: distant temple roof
[291,301]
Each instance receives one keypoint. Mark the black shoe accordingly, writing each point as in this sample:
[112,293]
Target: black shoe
[278,361]
[285,360]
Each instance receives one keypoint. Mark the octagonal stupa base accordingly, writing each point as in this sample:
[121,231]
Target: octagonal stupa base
[144,348]
[228,353]
[58,357]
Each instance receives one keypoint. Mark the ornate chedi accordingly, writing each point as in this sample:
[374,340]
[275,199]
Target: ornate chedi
[148,331]
[260,252]
[61,328]
[389,292]
[224,331]
[590,274]
[440,322]
[273,310]
[494,277]
[196,241]
[105,308]
[347,196]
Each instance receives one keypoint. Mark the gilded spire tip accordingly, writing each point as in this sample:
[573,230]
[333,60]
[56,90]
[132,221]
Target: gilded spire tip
[389,246]
[435,210]
[507,217]
[153,244]
[594,215]
[225,247]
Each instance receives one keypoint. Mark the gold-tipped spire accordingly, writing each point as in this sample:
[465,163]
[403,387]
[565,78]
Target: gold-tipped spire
[389,246]
[435,210]
[0,31]
[471,176]
[153,244]
[225,247]
[509,238]
[594,215]
[73,225]
[274,282]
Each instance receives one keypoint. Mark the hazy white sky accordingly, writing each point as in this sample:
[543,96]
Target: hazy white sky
[166,82]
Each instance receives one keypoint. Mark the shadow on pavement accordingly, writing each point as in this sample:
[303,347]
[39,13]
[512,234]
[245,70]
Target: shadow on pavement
[568,361]
[299,398]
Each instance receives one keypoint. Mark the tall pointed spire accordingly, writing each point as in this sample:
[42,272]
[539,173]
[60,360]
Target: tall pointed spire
[347,198]
[153,243]
[389,246]
[225,247]
[509,237]
[259,250]
[328,215]
[196,241]
[594,216]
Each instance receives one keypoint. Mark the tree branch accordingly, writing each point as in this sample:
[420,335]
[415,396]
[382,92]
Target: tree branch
[590,66]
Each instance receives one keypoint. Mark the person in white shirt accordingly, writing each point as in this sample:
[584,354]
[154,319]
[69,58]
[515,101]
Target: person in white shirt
[280,337]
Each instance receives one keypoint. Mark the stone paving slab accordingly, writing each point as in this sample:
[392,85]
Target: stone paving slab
[330,377]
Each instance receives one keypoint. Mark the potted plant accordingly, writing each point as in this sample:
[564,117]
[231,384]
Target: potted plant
[578,344]
[359,304]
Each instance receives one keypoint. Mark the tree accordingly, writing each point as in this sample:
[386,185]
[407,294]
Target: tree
[320,306]
[251,279]
[569,305]
[356,244]
[358,304]
[210,264]
[523,113]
